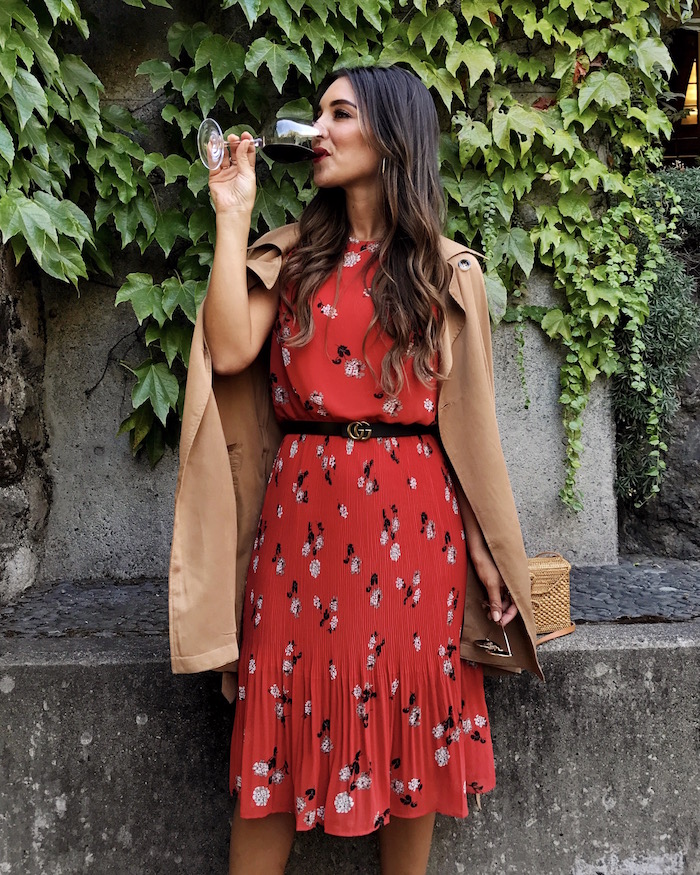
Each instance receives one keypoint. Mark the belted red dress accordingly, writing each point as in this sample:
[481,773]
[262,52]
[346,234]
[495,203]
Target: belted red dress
[353,703]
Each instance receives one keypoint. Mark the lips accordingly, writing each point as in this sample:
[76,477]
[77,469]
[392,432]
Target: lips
[319,154]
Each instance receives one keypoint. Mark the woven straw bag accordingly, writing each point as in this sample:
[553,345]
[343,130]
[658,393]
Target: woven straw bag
[550,592]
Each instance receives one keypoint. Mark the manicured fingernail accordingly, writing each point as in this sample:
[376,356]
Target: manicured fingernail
[496,616]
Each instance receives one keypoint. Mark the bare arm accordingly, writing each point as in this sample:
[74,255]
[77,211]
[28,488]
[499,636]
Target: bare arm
[236,321]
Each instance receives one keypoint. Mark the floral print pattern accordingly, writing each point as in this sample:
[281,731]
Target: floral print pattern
[356,705]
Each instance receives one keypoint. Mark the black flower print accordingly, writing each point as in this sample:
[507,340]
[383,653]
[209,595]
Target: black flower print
[452,602]
[352,560]
[290,658]
[413,711]
[381,817]
[449,550]
[412,591]
[427,526]
[312,546]
[446,652]
[343,352]
[366,481]
[294,600]
[390,526]
[257,608]
[301,495]
[327,459]
[363,696]
[375,648]
[324,736]
[375,591]
[279,560]
[282,702]
[329,614]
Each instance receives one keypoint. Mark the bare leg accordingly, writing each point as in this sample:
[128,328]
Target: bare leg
[404,845]
[260,846]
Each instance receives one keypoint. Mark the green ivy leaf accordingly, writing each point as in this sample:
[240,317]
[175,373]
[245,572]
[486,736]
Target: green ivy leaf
[604,89]
[78,77]
[277,59]
[155,383]
[138,425]
[145,298]
[7,146]
[173,340]
[476,58]
[188,37]
[251,8]
[19,215]
[28,96]
[159,73]
[225,58]
[497,296]
[66,216]
[187,295]
[171,225]
[651,52]
[555,324]
[437,24]
[515,247]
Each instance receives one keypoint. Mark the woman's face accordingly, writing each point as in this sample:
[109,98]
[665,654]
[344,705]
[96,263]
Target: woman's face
[344,158]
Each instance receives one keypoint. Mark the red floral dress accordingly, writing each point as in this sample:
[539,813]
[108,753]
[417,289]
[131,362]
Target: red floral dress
[353,703]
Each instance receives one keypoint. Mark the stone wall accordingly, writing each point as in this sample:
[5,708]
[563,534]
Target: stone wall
[110,515]
[25,488]
[670,525]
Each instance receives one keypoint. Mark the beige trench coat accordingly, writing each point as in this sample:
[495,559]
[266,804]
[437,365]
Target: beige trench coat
[228,444]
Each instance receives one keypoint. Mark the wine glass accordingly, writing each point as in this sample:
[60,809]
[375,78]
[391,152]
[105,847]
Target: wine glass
[289,142]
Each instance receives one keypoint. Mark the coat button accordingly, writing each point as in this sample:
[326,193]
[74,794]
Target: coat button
[464,264]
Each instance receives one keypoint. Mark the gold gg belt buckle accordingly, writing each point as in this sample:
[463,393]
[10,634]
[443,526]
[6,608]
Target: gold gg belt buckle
[359,430]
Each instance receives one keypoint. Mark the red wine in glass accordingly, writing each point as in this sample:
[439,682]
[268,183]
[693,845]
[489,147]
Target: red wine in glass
[289,142]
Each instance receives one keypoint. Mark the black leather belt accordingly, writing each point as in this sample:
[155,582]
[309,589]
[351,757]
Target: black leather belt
[358,430]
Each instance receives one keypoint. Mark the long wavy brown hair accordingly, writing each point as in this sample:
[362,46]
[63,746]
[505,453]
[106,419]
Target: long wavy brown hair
[398,118]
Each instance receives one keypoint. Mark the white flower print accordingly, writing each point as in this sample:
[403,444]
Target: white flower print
[307,708]
[295,606]
[241,694]
[442,755]
[334,623]
[466,725]
[306,548]
[394,687]
[275,691]
[256,620]
[349,446]
[301,804]
[343,802]
[400,583]
[455,509]
[261,796]
[384,538]
[286,357]
[416,640]
[251,666]
[438,731]
[428,404]
[293,449]
[289,649]
[345,773]
[239,783]
[414,716]
[279,568]
[333,671]
[280,511]
[480,721]
[351,259]
[343,511]
[416,596]
[280,395]
[364,781]
[447,666]
[309,818]
[355,368]
[317,602]
[397,787]
[315,567]
[451,555]
[371,660]
[394,552]
[375,598]
[414,784]
[412,482]
[355,565]
[447,493]
[361,710]
[277,776]
[430,530]
[329,311]
[321,812]
[256,562]
[279,710]
[326,744]
[456,734]
[287,666]
[450,617]
[392,406]
[260,768]
[357,691]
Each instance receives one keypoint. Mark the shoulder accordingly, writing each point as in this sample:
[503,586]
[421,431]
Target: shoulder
[459,255]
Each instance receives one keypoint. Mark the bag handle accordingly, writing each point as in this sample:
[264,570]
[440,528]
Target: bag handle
[567,630]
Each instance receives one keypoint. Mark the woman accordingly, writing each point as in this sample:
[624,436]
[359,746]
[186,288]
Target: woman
[387,501]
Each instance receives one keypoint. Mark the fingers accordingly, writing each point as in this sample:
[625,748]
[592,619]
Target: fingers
[501,608]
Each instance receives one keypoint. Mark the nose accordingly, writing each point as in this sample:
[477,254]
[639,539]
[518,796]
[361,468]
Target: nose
[321,128]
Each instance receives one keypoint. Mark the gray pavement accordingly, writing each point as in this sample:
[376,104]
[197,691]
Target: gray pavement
[638,589]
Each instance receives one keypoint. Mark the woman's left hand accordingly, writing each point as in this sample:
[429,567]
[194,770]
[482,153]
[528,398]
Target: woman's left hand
[500,605]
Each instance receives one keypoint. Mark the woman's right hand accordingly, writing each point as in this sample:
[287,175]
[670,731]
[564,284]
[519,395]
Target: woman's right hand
[233,184]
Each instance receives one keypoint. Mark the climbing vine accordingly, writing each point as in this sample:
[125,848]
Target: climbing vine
[551,129]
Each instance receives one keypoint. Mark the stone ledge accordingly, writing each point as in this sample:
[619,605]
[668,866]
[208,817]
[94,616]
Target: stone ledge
[112,765]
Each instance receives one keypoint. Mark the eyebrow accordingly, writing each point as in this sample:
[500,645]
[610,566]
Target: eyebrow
[344,102]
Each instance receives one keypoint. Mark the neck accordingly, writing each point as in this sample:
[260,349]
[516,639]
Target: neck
[365,215]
